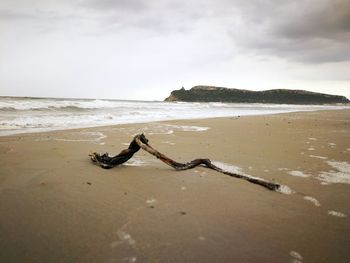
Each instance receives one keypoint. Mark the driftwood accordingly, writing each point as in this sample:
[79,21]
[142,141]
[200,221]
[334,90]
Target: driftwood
[107,162]
[141,142]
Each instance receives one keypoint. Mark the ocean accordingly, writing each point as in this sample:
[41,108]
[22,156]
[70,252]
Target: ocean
[23,115]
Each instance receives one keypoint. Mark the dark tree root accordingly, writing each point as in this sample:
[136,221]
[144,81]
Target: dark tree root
[141,142]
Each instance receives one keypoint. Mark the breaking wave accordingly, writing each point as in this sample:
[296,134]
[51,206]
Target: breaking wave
[21,115]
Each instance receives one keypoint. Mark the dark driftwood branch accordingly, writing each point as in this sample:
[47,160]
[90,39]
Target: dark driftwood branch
[140,141]
[107,162]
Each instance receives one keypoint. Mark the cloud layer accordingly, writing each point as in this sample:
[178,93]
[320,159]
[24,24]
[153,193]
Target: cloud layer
[169,43]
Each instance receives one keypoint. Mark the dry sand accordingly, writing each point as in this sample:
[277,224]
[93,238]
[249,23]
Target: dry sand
[56,206]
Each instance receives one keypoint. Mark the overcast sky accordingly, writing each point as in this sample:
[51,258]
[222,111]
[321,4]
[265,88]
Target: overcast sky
[139,49]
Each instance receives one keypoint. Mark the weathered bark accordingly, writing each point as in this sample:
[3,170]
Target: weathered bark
[107,162]
[140,141]
[205,162]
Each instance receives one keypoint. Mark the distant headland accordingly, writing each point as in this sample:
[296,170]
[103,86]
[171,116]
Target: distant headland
[276,96]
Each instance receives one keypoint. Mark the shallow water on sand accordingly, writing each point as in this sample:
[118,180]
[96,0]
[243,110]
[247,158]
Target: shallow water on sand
[22,115]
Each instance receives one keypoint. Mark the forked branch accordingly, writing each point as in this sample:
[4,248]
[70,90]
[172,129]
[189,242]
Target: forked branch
[140,141]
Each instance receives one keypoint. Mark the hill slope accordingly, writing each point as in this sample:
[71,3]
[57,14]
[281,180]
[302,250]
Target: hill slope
[279,96]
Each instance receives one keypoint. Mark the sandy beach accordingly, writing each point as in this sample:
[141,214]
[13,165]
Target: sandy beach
[57,206]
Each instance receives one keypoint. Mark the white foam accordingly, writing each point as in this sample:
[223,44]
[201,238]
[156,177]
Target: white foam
[134,162]
[129,259]
[318,157]
[229,167]
[126,237]
[296,255]
[312,200]
[94,137]
[331,144]
[298,174]
[341,176]
[151,201]
[312,139]
[168,142]
[22,115]
[337,214]
[311,148]
[161,129]
[189,128]
[284,189]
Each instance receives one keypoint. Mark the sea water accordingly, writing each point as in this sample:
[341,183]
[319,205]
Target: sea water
[21,115]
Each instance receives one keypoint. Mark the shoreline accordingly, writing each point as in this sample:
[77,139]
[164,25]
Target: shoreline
[19,133]
[56,205]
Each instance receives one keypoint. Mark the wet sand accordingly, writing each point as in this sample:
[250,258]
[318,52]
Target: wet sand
[56,206]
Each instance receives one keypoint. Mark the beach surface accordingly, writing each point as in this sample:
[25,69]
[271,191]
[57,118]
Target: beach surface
[57,206]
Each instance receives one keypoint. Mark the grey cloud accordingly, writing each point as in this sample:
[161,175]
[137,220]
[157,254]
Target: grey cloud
[313,31]
[38,15]
[161,17]
[40,21]
[323,19]
[116,5]
[308,31]
[15,16]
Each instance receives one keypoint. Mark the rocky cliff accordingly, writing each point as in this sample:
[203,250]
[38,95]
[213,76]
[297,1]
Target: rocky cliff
[278,96]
